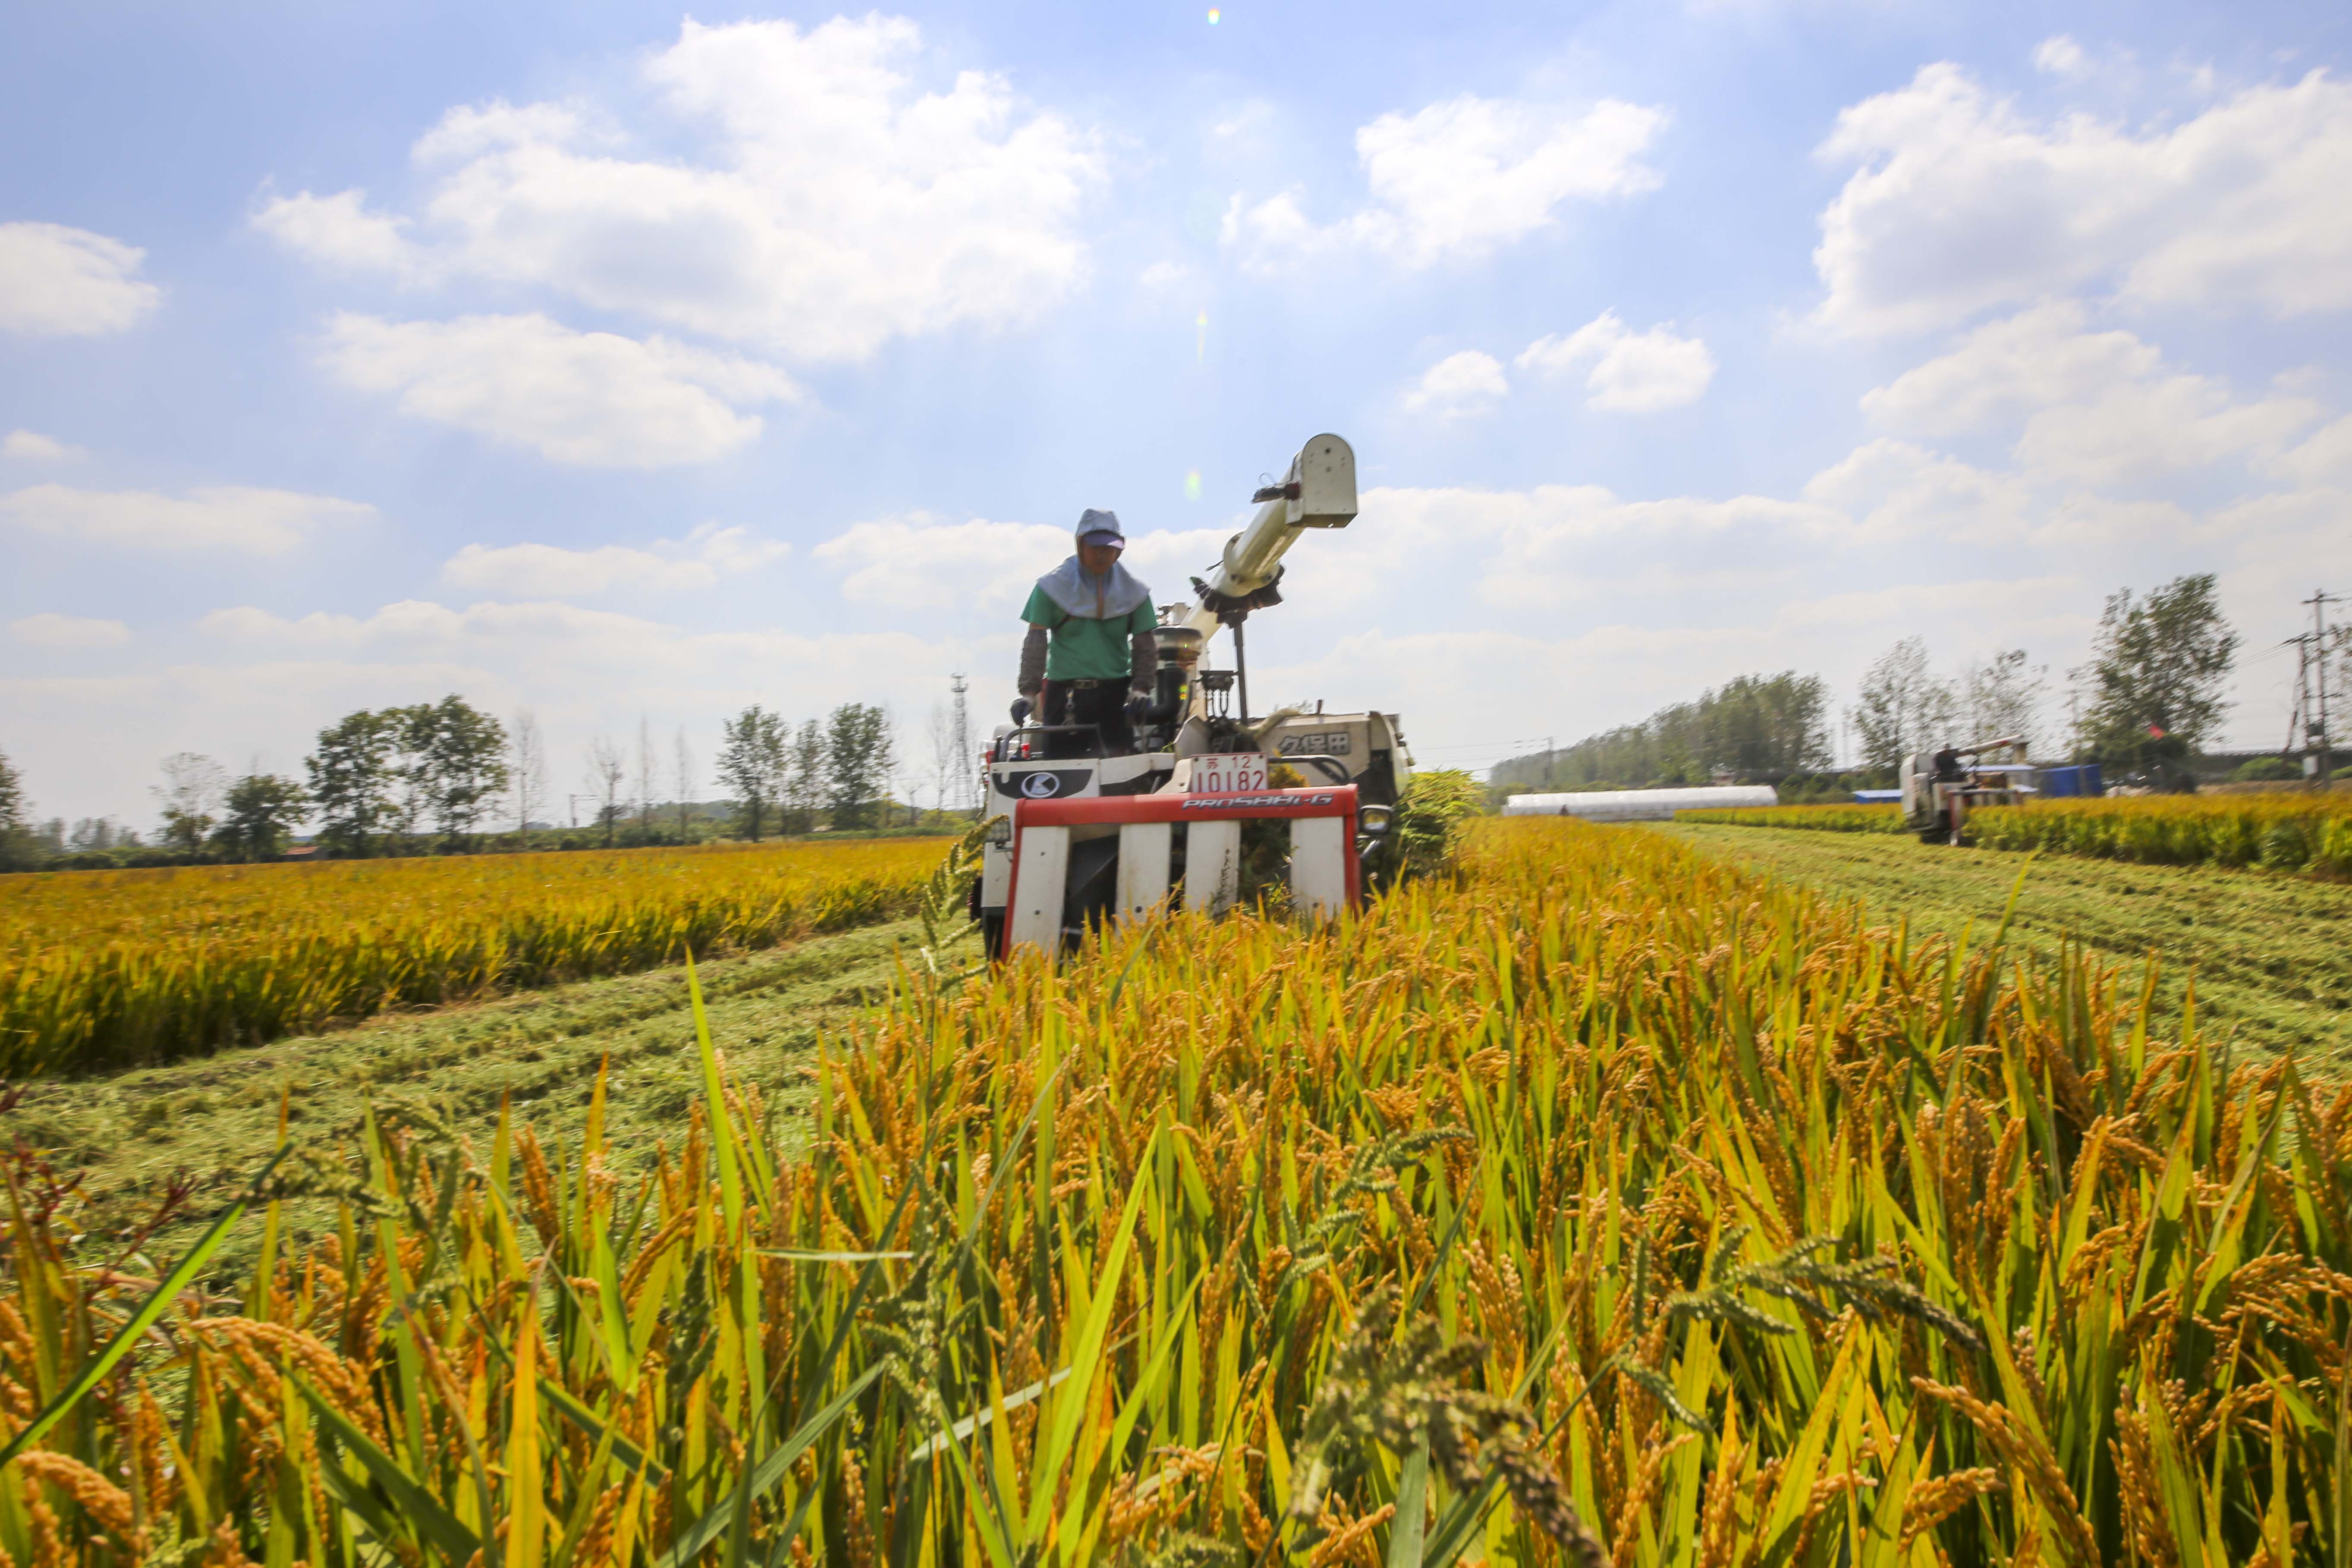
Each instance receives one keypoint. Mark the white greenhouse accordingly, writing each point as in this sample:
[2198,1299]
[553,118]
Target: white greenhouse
[1639,805]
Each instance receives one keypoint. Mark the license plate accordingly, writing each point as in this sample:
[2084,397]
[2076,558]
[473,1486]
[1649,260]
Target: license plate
[1240,775]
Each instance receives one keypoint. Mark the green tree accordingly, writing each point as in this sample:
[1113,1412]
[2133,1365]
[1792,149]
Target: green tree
[351,780]
[408,772]
[2266,770]
[751,762]
[1754,726]
[857,760]
[1764,726]
[804,781]
[1901,707]
[465,766]
[20,849]
[2002,697]
[2158,677]
[257,815]
[437,765]
[15,810]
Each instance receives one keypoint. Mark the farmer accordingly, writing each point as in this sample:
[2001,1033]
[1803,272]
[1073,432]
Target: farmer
[1089,651]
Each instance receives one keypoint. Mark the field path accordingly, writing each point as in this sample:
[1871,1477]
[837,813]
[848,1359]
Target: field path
[2272,953]
[214,1118]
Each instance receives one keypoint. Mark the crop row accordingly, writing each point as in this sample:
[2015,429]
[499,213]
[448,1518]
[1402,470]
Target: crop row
[106,968]
[1604,1204]
[2281,832]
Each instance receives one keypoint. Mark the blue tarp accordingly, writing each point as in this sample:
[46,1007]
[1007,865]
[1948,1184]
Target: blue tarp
[2080,780]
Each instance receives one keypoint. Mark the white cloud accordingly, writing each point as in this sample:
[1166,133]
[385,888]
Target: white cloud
[2060,55]
[591,398]
[562,651]
[1164,275]
[263,684]
[1458,386]
[918,562]
[2008,368]
[1895,489]
[585,668]
[1633,373]
[1462,178]
[56,281]
[550,570]
[51,630]
[1559,544]
[1960,203]
[983,568]
[30,446]
[2096,407]
[2160,427]
[216,517]
[821,205]
[2107,530]
[341,231]
[2325,459]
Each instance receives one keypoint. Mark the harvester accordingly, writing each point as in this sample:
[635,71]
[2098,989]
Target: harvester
[1088,837]
[1939,789]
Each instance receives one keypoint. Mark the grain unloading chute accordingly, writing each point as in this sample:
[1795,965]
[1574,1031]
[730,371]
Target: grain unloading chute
[1090,836]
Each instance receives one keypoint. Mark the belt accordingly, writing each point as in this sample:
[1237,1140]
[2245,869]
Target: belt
[1082,685]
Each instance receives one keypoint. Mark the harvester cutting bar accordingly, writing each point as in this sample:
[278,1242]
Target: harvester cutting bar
[1324,873]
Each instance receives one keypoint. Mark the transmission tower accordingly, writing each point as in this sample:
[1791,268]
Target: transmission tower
[964,762]
[2315,720]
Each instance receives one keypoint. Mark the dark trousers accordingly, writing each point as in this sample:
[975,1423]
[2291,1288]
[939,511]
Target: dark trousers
[1101,703]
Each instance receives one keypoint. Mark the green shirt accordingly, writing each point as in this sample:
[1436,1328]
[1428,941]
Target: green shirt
[1084,648]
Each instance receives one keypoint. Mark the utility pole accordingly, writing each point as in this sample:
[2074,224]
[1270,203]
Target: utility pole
[2317,729]
[963,758]
[2301,704]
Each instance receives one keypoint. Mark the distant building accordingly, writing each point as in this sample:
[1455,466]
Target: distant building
[1639,805]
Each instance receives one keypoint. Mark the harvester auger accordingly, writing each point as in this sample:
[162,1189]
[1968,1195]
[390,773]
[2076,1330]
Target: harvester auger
[1089,837]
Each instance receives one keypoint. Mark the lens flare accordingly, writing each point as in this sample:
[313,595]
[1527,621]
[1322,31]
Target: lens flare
[1193,485]
[1201,340]
[1213,16]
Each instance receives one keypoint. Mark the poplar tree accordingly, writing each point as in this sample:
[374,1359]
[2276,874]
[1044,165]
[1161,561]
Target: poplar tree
[2158,675]
[751,762]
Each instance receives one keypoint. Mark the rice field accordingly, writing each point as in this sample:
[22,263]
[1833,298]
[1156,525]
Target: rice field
[2282,832]
[1596,1203]
[102,969]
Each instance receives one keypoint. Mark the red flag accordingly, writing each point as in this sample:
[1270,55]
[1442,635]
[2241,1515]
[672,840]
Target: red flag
[2156,731]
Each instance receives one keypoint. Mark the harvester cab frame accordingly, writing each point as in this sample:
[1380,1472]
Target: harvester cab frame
[1939,789]
[1168,829]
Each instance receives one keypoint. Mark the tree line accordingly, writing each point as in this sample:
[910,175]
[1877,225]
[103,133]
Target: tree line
[836,768]
[2152,694]
[446,776]
[1754,726]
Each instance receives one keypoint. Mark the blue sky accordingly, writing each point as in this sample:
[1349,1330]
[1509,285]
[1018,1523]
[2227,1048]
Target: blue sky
[621,365]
